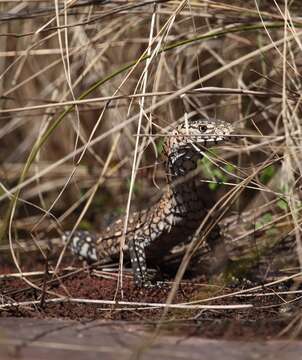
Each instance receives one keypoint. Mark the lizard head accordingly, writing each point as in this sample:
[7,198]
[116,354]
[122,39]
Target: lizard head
[184,146]
[200,132]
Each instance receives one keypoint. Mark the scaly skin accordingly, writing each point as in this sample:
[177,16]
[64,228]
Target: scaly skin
[151,233]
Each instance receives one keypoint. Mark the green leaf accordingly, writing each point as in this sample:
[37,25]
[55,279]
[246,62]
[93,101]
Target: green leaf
[265,218]
[282,204]
[267,174]
[160,145]
[85,225]
[217,173]
[213,186]
[230,168]
[119,211]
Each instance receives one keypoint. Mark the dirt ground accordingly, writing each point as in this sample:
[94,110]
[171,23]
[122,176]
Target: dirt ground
[267,317]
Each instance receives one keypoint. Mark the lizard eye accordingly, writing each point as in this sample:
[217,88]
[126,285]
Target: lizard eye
[202,128]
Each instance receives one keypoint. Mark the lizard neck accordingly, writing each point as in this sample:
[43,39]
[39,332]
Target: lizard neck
[183,184]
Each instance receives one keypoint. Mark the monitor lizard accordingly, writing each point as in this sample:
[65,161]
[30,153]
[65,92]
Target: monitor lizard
[152,232]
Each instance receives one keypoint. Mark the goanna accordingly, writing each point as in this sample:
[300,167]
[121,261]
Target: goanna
[152,232]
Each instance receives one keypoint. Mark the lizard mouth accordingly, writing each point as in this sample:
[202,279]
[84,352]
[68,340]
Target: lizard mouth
[208,141]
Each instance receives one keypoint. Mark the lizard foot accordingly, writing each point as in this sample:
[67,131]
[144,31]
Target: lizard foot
[154,285]
[150,282]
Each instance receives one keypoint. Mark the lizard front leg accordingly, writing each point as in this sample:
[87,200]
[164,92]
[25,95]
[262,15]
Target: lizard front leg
[137,255]
[83,245]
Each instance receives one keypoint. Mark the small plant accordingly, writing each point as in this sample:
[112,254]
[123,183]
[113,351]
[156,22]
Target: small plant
[215,173]
[267,174]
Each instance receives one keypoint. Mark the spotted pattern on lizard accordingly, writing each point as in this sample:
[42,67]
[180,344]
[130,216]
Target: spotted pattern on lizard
[152,232]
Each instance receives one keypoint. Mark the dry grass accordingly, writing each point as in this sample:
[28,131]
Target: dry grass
[85,89]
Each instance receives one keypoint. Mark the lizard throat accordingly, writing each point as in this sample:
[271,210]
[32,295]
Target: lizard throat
[183,180]
[182,162]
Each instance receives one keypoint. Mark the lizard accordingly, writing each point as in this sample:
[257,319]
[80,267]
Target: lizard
[154,231]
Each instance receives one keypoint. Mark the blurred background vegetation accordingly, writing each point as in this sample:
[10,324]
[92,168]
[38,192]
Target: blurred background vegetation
[72,76]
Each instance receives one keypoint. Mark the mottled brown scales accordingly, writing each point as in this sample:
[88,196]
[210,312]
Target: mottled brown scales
[153,232]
